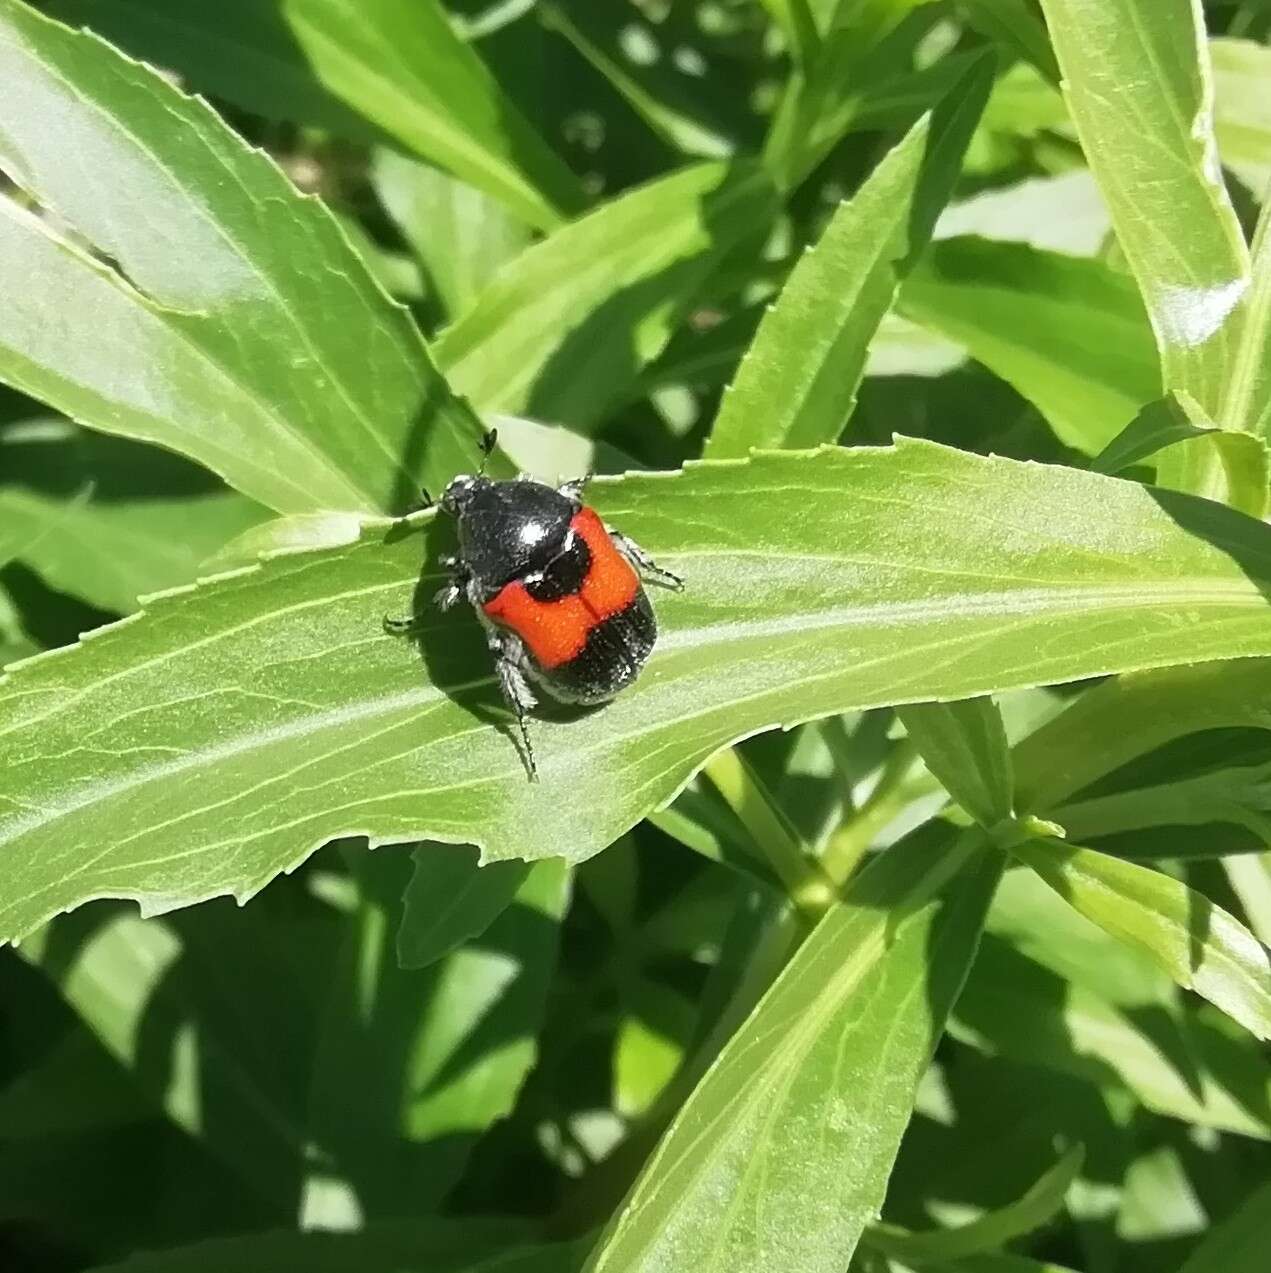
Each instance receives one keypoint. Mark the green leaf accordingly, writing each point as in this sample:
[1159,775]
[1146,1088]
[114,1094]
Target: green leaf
[414,1064]
[1240,795]
[1068,333]
[797,384]
[109,554]
[139,988]
[215,741]
[1176,424]
[796,20]
[1239,1243]
[396,1246]
[239,328]
[1137,81]
[964,745]
[1013,1008]
[239,50]
[401,64]
[1116,722]
[1242,118]
[567,326]
[672,103]
[1248,403]
[787,1143]
[1199,944]
[991,1231]
[451,898]
[462,236]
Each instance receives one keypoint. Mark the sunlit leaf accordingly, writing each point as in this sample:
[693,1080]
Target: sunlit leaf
[401,64]
[786,1144]
[1138,84]
[215,741]
[797,384]
[565,328]
[229,321]
[1198,943]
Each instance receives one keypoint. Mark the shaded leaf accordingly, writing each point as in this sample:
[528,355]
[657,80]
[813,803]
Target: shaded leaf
[239,50]
[566,327]
[246,334]
[401,64]
[1239,1243]
[1199,944]
[964,745]
[797,384]
[995,1229]
[461,235]
[1241,477]
[415,1064]
[674,104]
[1068,333]
[451,898]
[399,1246]
[786,1144]
[1013,1008]
[215,741]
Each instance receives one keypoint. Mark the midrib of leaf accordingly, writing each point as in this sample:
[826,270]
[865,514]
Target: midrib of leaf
[289,311]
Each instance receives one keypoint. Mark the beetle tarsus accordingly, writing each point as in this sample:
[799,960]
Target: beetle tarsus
[644,563]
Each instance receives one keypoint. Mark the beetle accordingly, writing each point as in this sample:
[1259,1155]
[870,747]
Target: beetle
[558,592]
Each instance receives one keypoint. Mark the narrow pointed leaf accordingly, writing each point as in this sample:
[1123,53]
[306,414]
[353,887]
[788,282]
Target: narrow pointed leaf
[401,64]
[1176,423]
[461,235]
[239,329]
[1199,944]
[1248,403]
[797,384]
[1138,83]
[782,1153]
[564,329]
[964,746]
[991,1231]
[213,742]
[1120,720]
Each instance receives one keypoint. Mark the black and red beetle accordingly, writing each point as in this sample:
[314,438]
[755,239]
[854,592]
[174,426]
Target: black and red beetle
[558,592]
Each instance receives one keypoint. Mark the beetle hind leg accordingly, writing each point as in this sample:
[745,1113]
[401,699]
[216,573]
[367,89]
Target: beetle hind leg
[508,658]
[644,563]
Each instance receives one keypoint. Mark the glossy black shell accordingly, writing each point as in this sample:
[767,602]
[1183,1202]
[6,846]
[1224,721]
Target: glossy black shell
[508,529]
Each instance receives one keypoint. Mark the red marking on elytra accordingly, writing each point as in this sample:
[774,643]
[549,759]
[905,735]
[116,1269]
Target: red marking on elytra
[556,631]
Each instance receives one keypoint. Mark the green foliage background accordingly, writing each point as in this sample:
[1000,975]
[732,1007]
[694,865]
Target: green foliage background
[911,912]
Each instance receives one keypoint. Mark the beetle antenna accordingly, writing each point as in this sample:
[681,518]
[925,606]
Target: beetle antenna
[421,501]
[489,440]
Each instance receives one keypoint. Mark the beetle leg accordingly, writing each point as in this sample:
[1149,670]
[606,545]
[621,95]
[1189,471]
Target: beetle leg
[455,586]
[574,488]
[644,563]
[516,691]
[406,625]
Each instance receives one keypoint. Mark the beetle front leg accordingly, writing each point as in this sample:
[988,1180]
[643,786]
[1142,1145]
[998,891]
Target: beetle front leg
[457,584]
[644,563]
